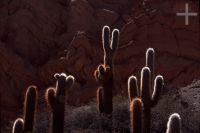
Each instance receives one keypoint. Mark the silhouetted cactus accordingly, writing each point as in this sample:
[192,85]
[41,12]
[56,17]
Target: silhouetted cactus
[174,124]
[25,125]
[148,100]
[136,116]
[104,73]
[56,100]
[109,45]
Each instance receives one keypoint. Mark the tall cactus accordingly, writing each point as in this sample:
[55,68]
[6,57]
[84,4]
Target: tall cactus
[104,72]
[148,100]
[25,125]
[136,116]
[174,124]
[56,100]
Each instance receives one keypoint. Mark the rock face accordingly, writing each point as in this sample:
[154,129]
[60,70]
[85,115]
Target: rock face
[40,38]
[185,102]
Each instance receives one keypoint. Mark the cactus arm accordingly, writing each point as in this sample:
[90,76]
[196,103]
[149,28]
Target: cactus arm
[106,38]
[106,43]
[29,109]
[114,40]
[100,99]
[70,81]
[136,116]
[56,76]
[96,75]
[150,62]
[158,85]
[132,88]
[50,97]
[18,126]
[103,74]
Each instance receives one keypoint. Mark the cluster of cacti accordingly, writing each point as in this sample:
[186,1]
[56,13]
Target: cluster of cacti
[141,99]
[25,125]
[146,85]
[56,100]
[104,72]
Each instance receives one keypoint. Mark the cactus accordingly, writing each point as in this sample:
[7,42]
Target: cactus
[174,124]
[104,72]
[146,86]
[136,116]
[56,100]
[149,101]
[25,125]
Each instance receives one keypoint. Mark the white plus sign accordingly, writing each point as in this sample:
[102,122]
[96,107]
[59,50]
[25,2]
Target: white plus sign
[187,14]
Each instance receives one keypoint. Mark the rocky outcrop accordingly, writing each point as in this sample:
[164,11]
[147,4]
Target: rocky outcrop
[184,101]
[40,38]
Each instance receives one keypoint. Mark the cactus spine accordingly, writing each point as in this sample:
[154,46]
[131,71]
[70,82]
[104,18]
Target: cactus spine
[25,125]
[136,116]
[104,72]
[174,124]
[148,100]
[56,100]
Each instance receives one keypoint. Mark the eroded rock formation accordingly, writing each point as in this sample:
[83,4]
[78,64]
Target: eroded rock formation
[40,38]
